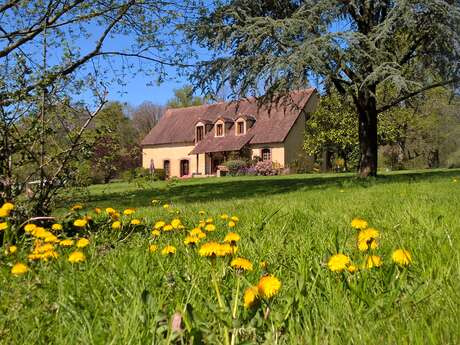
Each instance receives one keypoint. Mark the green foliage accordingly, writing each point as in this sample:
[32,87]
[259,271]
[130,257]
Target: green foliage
[234,166]
[184,97]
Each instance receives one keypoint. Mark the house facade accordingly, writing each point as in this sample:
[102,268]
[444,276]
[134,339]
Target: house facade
[196,140]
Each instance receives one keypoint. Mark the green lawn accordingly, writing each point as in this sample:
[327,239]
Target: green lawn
[122,294]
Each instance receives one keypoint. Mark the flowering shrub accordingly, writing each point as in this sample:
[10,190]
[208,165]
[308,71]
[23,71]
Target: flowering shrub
[265,168]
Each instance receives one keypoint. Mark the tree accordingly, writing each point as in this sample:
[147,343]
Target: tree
[359,46]
[144,117]
[184,97]
[54,52]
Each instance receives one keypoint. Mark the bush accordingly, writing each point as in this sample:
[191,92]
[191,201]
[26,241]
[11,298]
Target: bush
[159,174]
[265,168]
[234,166]
[247,171]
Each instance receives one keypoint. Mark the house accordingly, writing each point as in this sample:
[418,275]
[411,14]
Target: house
[196,140]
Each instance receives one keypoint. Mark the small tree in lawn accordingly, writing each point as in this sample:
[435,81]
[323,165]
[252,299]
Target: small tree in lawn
[359,46]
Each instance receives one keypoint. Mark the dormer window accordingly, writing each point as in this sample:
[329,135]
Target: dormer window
[219,130]
[240,127]
[199,133]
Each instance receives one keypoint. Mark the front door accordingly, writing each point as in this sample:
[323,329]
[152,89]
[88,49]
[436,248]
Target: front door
[216,160]
[184,167]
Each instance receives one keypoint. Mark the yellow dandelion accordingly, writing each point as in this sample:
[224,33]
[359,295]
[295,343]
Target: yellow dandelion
[8,206]
[152,248]
[359,223]
[82,243]
[158,225]
[352,268]
[224,216]
[29,227]
[3,226]
[226,249]
[135,222]
[251,297]
[156,233]
[97,210]
[166,206]
[115,215]
[19,269]
[338,262]
[116,225]
[168,227]
[4,213]
[76,257]
[110,211]
[235,219]
[268,286]
[168,250]
[242,264]
[76,207]
[210,227]
[128,211]
[51,238]
[232,238]
[210,249]
[209,220]
[56,227]
[176,223]
[11,250]
[191,241]
[231,224]
[66,243]
[80,223]
[401,257]
[196,232]
[367,239]
[373,261]
[202,224]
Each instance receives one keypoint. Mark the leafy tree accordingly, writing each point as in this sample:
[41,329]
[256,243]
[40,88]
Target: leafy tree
[184,97]
[358,46]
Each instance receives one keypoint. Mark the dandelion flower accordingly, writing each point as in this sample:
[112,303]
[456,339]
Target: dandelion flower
[11,250]
[29,227]
[224,216]
[232,238]
[80,223]
[209,220]
[202,224]
[50,238]
[82,243]
[352,268]
[19,269]
[168,250]
[209,249]
[168,227]
[8,206]
[401,257]
[268,286]
[135,222]
[128,211]
[235,219]
[116,225]
[158,225]
[191,241]
[373,261]
[156,233]
[56,227]
[176,223]
[242,264]
[226,249]
[4,213]
[367,239]
[210,227]
[231,224]
[166,206]
[196,232]
[77,256]
[251,297]
[359,224]
[66,243]
[97,210]
[76,207]
[3,226]
[152,248]
[110,211]
[338,262]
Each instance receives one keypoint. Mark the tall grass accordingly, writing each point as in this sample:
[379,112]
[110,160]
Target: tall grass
[122,294]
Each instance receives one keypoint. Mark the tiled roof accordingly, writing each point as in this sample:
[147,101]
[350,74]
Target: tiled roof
[272,123]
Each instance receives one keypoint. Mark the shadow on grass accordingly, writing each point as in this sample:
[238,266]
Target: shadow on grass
[228,188]
[248,187]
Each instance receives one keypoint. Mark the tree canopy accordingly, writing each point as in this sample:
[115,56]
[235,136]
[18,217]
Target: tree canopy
[268,48]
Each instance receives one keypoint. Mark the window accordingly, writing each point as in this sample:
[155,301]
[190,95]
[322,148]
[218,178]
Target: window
[240,127]
[199,133]
[219,130]
[266,155]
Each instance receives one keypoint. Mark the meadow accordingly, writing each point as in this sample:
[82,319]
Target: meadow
[137,282]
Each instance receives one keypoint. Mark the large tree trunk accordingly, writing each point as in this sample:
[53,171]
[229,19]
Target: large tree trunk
[367,111]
